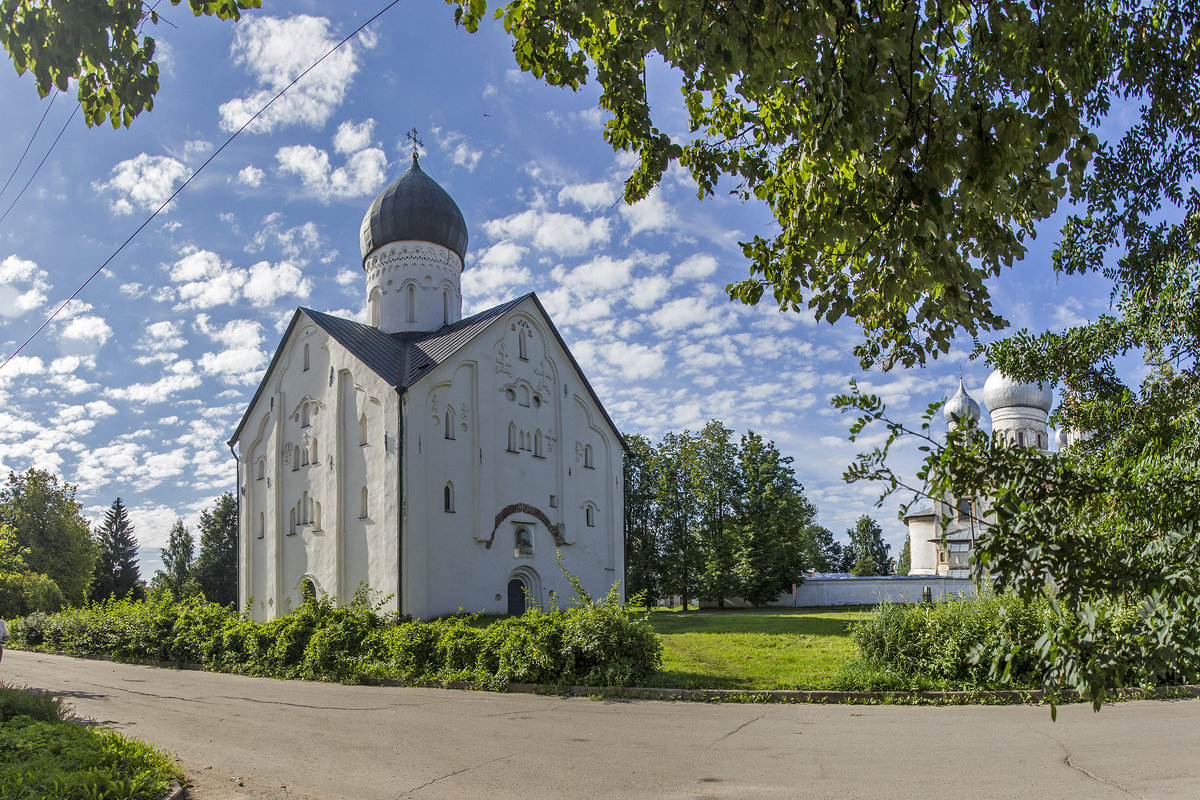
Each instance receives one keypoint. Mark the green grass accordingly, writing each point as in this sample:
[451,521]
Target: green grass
[42,754]
[769,649]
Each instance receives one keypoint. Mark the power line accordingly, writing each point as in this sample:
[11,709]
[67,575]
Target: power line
[39,167]
[190,178]
[29,144]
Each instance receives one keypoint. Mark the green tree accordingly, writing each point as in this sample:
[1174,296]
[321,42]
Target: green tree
[904,565]
[868,547]
[116,572]
[21,591]
[98,44]
[216,567]
[49,526]
[642,568]
[906,150]
[178,558]
[773,515]
[864,565]
[712,472]
[676,511]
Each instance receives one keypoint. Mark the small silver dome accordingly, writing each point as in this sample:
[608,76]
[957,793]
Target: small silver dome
[960,406]
[413,208]
[1063,438]
[1000,391]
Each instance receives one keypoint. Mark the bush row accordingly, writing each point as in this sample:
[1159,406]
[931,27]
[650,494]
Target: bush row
[595,643]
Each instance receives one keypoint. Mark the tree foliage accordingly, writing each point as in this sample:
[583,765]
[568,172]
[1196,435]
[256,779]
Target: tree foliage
[870,553]
[49,527]
[117,571]
[707,518]
[21,590]
[907,149]
[178,558]
[216,567]
[98,44]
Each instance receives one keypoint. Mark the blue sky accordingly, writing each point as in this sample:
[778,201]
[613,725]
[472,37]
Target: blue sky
[134,391]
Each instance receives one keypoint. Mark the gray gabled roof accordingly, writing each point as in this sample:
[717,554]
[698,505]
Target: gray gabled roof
[402,359]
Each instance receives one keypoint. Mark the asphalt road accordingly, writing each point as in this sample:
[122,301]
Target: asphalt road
[259,738]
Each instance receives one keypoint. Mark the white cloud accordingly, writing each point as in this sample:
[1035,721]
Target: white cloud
[564,234]
[636,361]
[362,174]
[460,151]
[179,378]
[648,291]
[88,329]
[160,342]
[241,361]
[250,176]
[352,137]
[700,265]
[649,214]
[23,286]
[275,51]
[346,277]
[205,280]
[267,284]
[592,196]
[144,181]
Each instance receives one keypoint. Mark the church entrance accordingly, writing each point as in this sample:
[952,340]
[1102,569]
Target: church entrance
[516,597]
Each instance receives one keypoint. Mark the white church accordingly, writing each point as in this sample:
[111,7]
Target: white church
[444,462]
[1019,414]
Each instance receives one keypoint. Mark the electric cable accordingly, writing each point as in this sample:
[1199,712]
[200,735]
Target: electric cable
[29,144]
[4,216]
[190,178]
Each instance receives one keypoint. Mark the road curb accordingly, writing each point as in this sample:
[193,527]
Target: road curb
[815,696]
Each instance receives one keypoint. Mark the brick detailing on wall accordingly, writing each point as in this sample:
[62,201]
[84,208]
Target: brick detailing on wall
[536,513]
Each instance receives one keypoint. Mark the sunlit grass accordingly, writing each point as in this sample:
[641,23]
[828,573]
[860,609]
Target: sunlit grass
[769,649]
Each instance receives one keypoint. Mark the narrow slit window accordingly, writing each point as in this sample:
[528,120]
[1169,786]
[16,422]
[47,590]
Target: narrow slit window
[262,525]
[590,516]
[292,521]
[538,445]
[362,429]
[512,437]
[306,357]
[587,457]
[445,306]
[412,303]
[449,423]
[448,498]
[363,508]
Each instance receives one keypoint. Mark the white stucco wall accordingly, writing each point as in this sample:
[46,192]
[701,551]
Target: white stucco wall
[464,558]
[870,591]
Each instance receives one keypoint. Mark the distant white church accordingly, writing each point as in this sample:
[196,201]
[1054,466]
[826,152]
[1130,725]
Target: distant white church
[443,461]
[1019,413]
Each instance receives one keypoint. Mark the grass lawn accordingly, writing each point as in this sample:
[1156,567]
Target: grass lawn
[769,649]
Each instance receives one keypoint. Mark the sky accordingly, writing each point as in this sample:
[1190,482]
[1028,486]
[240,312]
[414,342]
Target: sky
[135,389]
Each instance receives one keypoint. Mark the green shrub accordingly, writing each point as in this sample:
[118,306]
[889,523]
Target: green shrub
[599,643]
[23,593]
[18,701]
[941,644]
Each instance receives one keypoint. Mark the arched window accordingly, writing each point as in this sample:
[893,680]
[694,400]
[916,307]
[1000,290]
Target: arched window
[449,422]
[261,469]
[362,504]
[448,498]
[590,516]
[587,457]
[1042,440]
[312,451]
[262,525]
[522,348]
[412,303]
[445,306]
[306,357]
[292,522]
[1020,439]
[295,457]
[537,445]
[362,429]
[304,457]
[373,309]
[304,517]
[308,590]
[305,414]
[316,515]
[512,437]
[524,395]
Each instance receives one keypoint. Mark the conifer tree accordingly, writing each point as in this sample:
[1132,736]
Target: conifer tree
[116,572]
[178,558]
[867,547]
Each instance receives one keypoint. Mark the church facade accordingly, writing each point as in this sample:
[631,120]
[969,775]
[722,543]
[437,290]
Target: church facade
[444,462]
[942,535]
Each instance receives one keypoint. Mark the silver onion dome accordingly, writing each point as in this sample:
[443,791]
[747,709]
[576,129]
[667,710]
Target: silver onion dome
[413,208]
[1000,391]
[961,406]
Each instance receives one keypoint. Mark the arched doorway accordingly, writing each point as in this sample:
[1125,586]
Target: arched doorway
[516,597]
[308,590]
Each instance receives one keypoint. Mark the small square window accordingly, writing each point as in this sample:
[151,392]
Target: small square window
[554,501]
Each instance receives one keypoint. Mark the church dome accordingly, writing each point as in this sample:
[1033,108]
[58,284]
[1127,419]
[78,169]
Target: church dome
[1063,438]
[1000,391]
[960,406]
[413,208]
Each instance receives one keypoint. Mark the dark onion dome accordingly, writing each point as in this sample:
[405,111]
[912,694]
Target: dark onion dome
[961,406]
[1000,391]
[413,208]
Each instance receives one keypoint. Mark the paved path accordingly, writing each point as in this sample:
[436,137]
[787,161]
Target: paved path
[314,741]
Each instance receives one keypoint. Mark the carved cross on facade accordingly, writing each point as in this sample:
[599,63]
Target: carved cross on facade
[417,143]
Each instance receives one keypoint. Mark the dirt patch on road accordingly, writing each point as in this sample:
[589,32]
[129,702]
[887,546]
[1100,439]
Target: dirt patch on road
[206,782]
